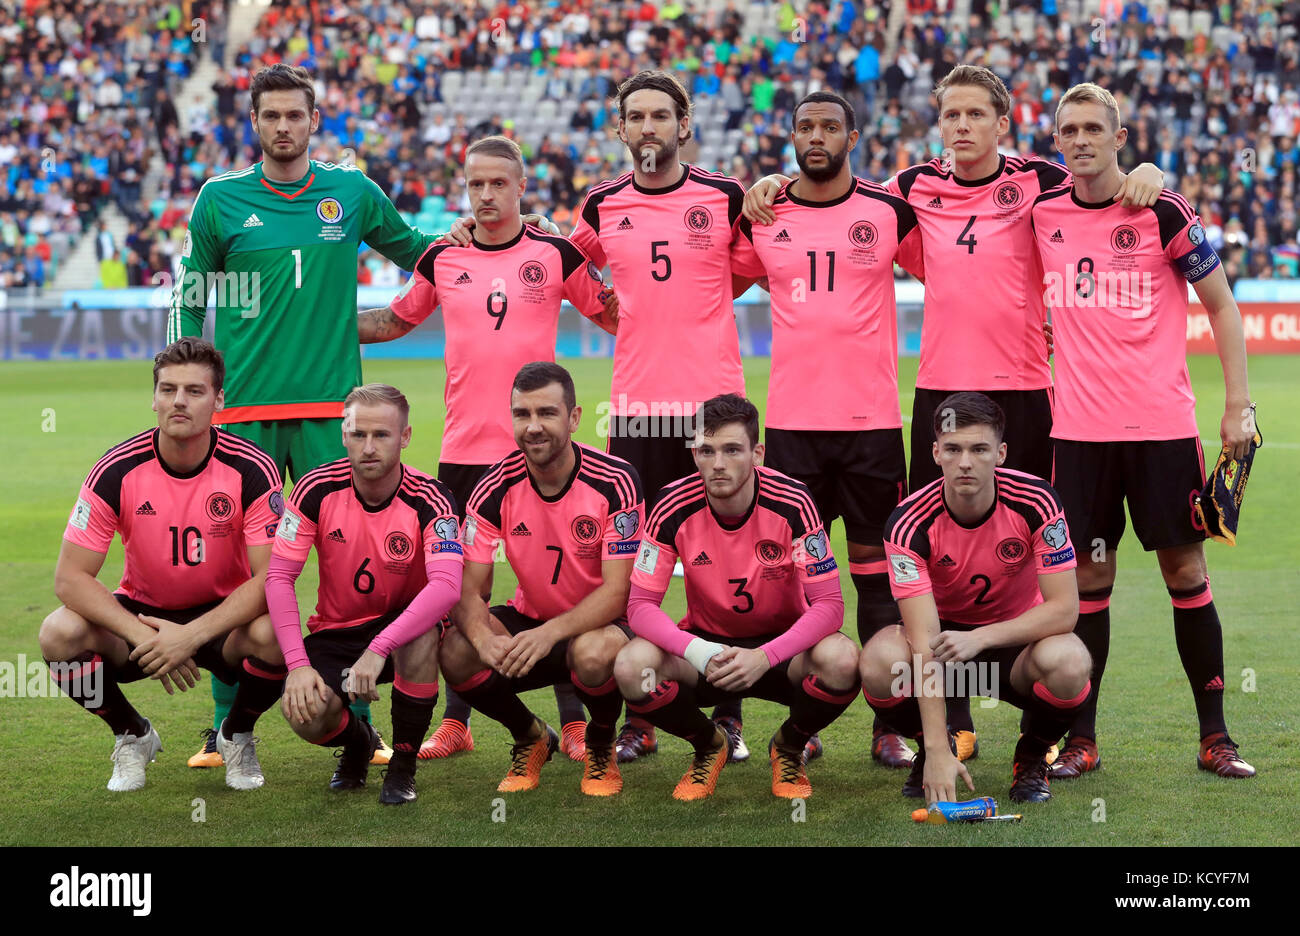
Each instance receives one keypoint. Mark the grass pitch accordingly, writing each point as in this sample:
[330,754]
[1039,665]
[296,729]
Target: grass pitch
[54,759]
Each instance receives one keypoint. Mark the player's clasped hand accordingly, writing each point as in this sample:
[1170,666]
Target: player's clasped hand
[957,646]
[736,669]
[492,651]
[363,678]
[305,693]
[940,778]
[526,650]
[168,656]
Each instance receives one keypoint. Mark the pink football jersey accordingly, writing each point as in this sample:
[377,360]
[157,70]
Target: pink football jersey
[1116,280]
[185,536]
[743,579]
[669,251]
[372,559]
[983,325]
[500,308]
[830,272]
[556,545]
[985,573]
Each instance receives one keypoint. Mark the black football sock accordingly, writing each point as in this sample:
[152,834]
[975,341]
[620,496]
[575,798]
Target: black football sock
[603,702]
[91,681]
[959,713]
[813,706]
[1200,646]
[412,707]
[492,694]
[260,685]
[672,707]
[1093,628]
[728,709]
[876,606]
[897,714]
[1047,717]
[457,708]
[569,704]
[348,734]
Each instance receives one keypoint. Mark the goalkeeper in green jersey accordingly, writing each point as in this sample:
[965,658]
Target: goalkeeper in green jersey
[276,243]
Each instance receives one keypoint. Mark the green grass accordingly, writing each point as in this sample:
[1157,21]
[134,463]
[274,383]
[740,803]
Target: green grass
[54,760]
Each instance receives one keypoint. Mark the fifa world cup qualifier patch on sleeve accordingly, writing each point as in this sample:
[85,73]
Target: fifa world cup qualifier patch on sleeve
[904,569]
[288,530]
[80,514]
[446,528]
[648,558]
[1224,491]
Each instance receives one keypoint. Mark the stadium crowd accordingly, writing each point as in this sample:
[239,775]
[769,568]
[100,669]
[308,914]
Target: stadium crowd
[89,91]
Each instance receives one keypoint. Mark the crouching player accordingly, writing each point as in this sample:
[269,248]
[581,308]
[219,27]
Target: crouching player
[764,607]
[196,508]
[983,570]
[390,568]
[569,515]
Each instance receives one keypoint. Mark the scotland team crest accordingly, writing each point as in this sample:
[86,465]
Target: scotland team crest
[329,210]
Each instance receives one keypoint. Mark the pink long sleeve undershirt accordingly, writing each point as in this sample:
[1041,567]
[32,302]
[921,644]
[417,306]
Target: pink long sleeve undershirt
[434,600]
[823,617]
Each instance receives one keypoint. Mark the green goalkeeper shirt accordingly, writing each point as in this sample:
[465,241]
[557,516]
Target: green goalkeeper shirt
[282,259]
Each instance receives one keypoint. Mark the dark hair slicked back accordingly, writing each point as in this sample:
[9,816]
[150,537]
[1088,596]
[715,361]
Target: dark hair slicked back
[967,408]
[656,81]
[826,97]
[192,351]
[538,374]
[728,408]
[282,77]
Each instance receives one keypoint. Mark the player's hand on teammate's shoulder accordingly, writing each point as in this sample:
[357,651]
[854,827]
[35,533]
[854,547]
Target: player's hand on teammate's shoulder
[1141,187]
[527,649]
[363,678]
[740,669]
[461,233]
[305,694]
[939,777]
[167,650]
[952,646]
[758,200]
[541,221]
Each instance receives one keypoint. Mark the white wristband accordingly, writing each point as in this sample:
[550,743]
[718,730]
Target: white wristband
[700,651]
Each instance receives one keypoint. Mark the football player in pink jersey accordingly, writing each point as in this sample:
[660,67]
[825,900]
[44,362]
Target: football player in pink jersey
[1125,423]
[500,302]
[764,607]
[828,263]
[386,541]
[973,207]
[666,230]
[983,569]
[196,508]
[570,517]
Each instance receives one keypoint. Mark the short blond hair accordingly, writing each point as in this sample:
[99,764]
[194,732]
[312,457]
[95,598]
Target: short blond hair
[377,394]
[1089,93]
[980,77]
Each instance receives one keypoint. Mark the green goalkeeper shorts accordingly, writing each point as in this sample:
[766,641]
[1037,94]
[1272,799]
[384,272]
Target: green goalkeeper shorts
[297,445]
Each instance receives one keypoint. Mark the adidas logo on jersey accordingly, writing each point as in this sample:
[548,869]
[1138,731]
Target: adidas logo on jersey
[463,280]
[521,530]
[624,225]
[946,561]
[1058,238]
[935,202]
[782,238]
[336,536]
[702,560]
[253,221]
[146,510]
